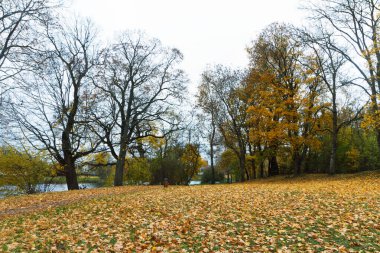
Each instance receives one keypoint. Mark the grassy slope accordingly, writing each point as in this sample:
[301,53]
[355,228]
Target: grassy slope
[319,213]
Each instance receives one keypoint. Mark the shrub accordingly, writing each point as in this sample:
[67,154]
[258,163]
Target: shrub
[207,176]
[22,170]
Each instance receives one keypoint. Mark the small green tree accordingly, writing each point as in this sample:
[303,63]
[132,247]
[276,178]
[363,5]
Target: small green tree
[138,170]
[23,169]
[228,163]
[192,161]
[207,176]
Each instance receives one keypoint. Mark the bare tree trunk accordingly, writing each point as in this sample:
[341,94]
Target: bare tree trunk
[69,161]
[140,147]
[297,162]
[262,169]
[332,167]
[71,176]
[242,165]
[273,166]
[212,155]
[212,167]
[119,172]
[261,162]
[253,164]
[334,137]
[120,164]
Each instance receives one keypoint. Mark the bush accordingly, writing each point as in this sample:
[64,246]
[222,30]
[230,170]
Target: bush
[207,176]
[138,171]
[22,170]
[108,176]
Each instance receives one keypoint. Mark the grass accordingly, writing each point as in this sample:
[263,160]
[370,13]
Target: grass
[311,213]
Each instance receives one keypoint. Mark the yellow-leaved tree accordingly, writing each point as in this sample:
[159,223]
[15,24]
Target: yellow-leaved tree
[192,162]
[284,105]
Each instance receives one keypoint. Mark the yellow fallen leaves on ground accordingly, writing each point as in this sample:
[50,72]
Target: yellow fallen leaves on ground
[312,213]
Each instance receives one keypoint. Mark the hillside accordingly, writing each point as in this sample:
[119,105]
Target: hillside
[316,213]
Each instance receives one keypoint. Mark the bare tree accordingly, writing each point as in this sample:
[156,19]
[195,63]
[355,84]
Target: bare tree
[18,19]
[53,108]
[331,70]
[356,24]
[226,85]
[208,102]
[140,82]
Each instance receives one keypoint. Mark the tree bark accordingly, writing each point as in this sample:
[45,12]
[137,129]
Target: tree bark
[262,169]
[334,138]
[253,164]
[68,160]
[273,166]
[332,167]
[242,165]
[261,162]
[212,155]
[297,162]
[120,164]
[71,176]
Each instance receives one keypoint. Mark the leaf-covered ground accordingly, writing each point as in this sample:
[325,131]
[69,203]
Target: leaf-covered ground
[314,213]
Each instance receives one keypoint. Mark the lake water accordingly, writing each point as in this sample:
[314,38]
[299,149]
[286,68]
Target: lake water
[62,187]
[48,188]
[195,182]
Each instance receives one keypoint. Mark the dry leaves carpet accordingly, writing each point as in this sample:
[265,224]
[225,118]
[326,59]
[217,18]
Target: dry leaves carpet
[312,213]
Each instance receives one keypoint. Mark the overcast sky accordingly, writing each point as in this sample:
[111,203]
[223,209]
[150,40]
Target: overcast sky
[205,31]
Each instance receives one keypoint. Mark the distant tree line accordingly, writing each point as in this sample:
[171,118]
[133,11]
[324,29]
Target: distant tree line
[308,100]
[306,103]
